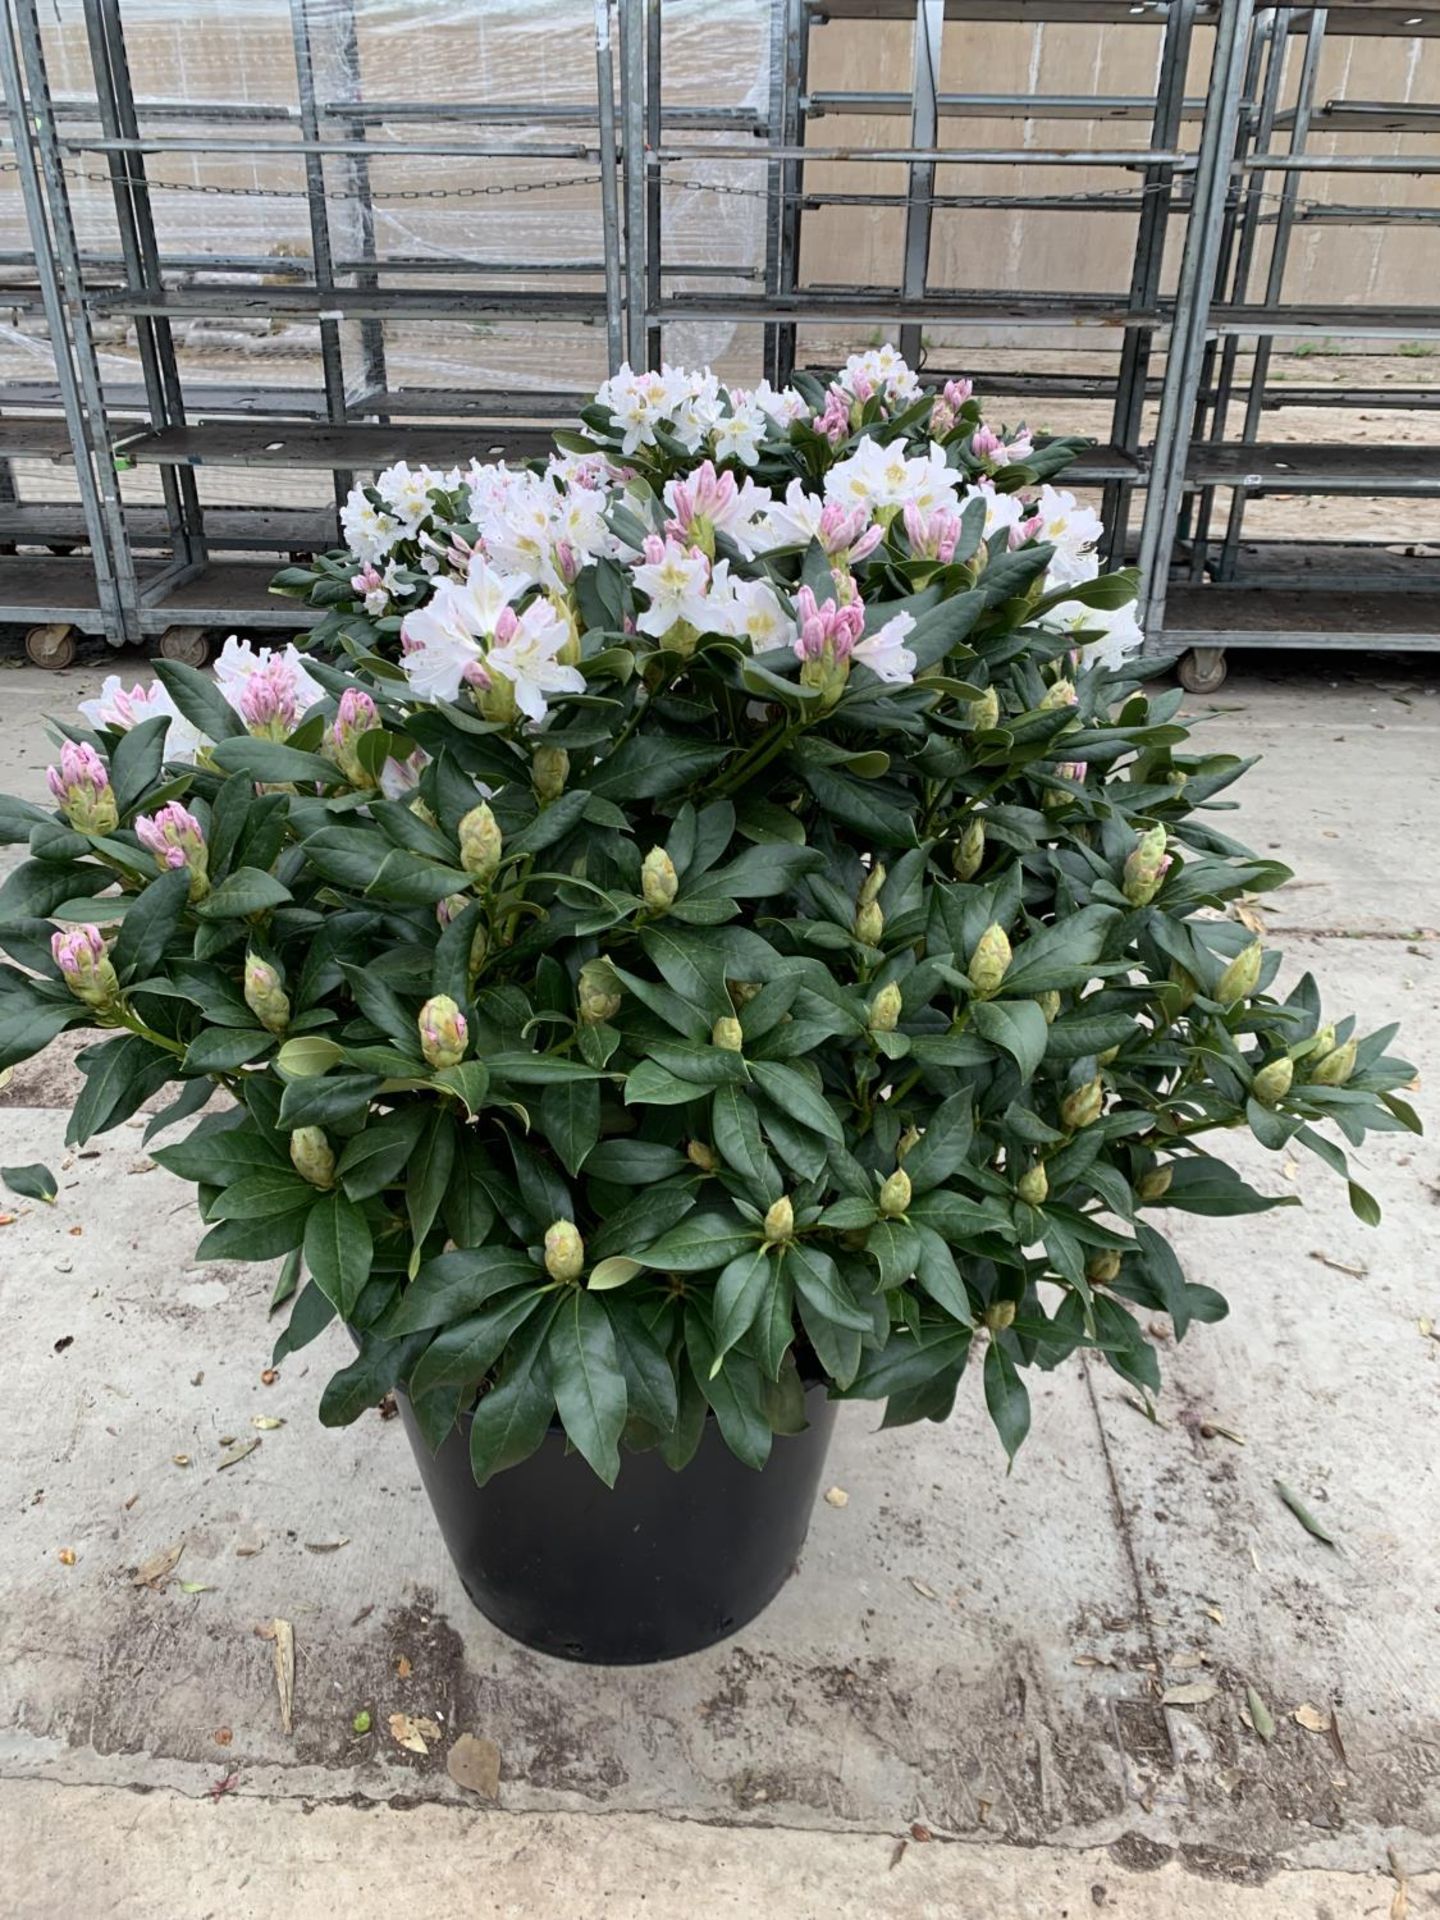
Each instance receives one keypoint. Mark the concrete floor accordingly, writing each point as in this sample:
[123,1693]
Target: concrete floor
[968,1664]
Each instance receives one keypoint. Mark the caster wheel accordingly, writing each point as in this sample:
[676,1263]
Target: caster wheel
[188,645]
[1202,670]
[62,549]
[51,647]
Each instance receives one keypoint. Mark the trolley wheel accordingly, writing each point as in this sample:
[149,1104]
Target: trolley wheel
[188,645]
[1202,669]
[51,647]
[62,549]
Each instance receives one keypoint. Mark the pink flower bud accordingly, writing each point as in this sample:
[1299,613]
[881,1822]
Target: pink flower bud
[85,965]
[80,787]
[357,714]
[177,840]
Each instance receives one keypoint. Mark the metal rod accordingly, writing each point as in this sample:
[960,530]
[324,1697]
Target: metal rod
[328,149]
[609,187]
[357,173]
[332,361]
[632,111]
[924,129]
[791,135]
[99,496]
[1137,158]
[1275,278]
[654,210]
[1197,273]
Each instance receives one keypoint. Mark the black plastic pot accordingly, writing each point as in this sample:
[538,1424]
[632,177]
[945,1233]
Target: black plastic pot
[661,1565]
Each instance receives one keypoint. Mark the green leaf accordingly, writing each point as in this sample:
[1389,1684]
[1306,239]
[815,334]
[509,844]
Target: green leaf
[570,1118]
[798,1098]
[336,1099]
[1006,1398]
[634,1163]
[429,1172]
[338,1250]
[375,1159]
[513,1418]
[586,1379]
[1364,1205]
[817,1281]
[944,1146]
[35,1182]
[147,929]
[1016,1026]
[457,1284]
[691,966]
[410,880]
[261,1193]
[461,1355]
[738,1140]
[268,761]
[119,1077]
[381,1366]
[650,1389]
[221,1049]
[735,1392]
[199,699]
[1303,1514]
[470,1080]
[738,1293]
[246,891]
[136,759]
[699,1243]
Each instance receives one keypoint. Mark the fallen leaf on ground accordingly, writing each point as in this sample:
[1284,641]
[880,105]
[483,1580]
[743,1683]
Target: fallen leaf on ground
[222,1736]
[1313,1719]
[241,1452]
[1355,1273]
[898,1855]
[283,1634]
[837,1497]
[361,1723]
[917,1832]
[403,1666]
[269,1376]
[195,1586]
[1190,1659]
[179,1459]
[1193,1694]
[474,1762]
[327,1546]
[920,1587]
[266,1422]
[67,1556]
[1092,1660]
[227,1783]
[1400,1899]
[1261,1718]
[412,1734]
[1302,1513]
[155,1571]
[1210,1431]
[1217,1614]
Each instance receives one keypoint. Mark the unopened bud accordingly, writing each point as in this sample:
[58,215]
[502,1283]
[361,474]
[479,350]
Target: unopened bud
[999,1315]
[264,995]
[871,885]
[1272,1083]
[1146,867]
[1062,694]
[910,1138]
[1082,1107]
[443,1032]
[481,844]
[727,1033]
[1101,1268]
[598,992]
[1336,1068]
[870,924]
[659,882]
[479,947]
[80,787]
[1155,1184]
[780,1220]
[564,1251]
[1239,979]
[1049,1004]
[990,961]
[742,992]
[1184,984]
[702,1156]
[895,1194]
[1104,1059]
[885,1009]
[1034,1185]
[984,713]
[356,716]
[549,771]
[312,1157]
[84,961]
[969,853]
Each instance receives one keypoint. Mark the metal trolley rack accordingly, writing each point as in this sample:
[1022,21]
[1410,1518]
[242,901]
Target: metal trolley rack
[1212,184]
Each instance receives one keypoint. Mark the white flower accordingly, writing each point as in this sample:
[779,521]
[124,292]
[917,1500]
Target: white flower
[406,492]
[266,685]
[881,370]
[737,435]
[369,532]
[526,656]
[1073,531]
[441,643]
[399,778]
[1003,511]
[116,707]
[1117,630]
[639,401]
[880,477]
[677,581]
[693,404]
[885,654]
[781,403]
[795,522]
[750,609]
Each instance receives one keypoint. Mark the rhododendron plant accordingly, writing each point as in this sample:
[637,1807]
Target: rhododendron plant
[720,909]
